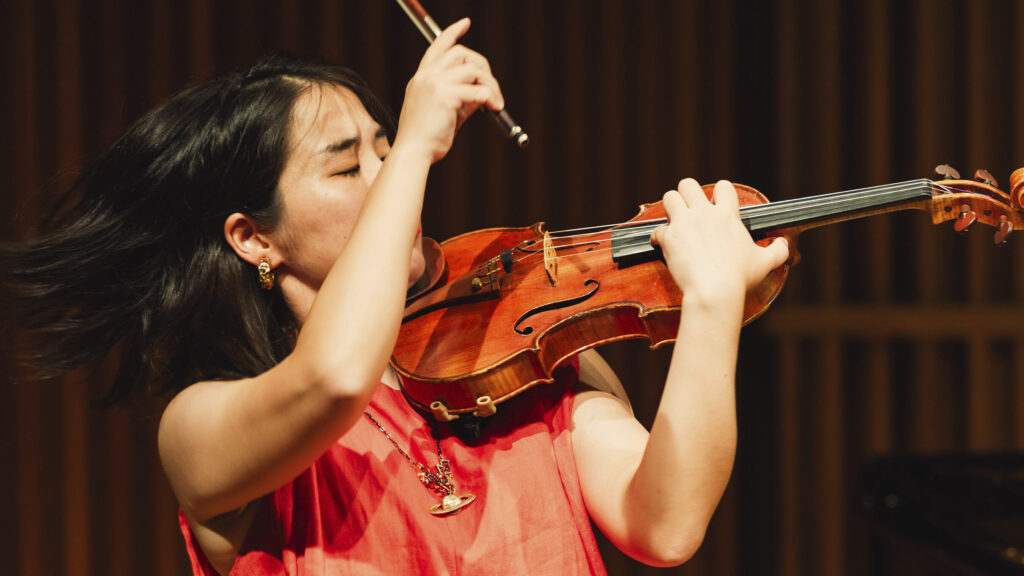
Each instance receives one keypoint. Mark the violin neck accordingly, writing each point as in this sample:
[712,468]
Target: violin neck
[632,242]
[803,213]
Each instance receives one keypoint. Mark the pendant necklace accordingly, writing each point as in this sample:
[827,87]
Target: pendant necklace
[441,481]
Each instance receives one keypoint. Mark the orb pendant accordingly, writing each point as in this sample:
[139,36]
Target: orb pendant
[451,504]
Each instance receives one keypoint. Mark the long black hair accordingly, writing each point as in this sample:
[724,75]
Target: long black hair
[133,258]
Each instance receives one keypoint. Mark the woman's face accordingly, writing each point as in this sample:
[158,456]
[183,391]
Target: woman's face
[335,152]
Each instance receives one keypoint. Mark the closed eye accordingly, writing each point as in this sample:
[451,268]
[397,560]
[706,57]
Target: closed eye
[354,170]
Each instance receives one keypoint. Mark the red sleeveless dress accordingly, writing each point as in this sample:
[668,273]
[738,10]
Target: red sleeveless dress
[361,509]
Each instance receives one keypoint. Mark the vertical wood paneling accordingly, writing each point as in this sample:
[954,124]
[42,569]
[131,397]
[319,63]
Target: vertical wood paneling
[830,422]
[981,127]
[878,122]
[687,133]
[1017,440]
[160,49]
[575,38]
[120,484]
[878,168]
[1016,145]
[331,32]
[200,39]
[788,163]
[878,437]
[289,29]
[247,30]
[538,74]
[496,168]
[829,480]
[622,100]
[982,397]
[167,559]
[984,418]
[30,526]
[77,542]
[927,428]
[27,397]
[653,76]
[613,148]
[790,499]
[721,545]
[119,526]
[720,55]
[929,131]
[721,549]
[75,503]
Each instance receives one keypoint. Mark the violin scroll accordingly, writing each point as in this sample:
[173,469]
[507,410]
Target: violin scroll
[979,200]
[497,315]
[1017,189]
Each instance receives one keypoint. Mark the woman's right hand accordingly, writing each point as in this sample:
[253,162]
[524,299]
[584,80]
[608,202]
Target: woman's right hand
[451,82]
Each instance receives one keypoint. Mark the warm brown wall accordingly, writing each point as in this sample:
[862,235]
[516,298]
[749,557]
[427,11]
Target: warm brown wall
[891,337]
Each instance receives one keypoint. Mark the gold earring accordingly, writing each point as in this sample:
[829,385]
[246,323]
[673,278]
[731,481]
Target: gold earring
[266,276]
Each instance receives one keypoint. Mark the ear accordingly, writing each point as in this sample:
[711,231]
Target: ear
[248,241]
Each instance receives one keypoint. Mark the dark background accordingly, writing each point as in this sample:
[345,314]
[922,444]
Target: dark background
[892,336]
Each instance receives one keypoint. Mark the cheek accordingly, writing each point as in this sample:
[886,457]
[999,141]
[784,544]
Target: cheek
[334,213]
[317,234]
[331,231]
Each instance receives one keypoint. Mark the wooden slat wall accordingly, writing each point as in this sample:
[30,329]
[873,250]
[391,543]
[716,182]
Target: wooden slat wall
[891,337]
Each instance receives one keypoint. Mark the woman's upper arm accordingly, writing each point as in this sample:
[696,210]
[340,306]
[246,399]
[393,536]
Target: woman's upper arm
[608,443]
[226,443]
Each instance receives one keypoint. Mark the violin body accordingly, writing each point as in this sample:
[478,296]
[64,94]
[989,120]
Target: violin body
[504,307]
[505,320]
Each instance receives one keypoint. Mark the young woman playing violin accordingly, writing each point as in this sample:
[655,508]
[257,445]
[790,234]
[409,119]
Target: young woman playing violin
[249,245]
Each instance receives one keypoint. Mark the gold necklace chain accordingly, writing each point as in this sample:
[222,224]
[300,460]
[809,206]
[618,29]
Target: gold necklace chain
[441,481]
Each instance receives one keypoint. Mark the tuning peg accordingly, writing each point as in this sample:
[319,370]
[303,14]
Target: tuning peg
[982,175]
[965,219]
[1003,231]
[947,172]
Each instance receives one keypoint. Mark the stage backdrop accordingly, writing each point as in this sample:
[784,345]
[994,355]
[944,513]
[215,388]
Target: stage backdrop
[892,336]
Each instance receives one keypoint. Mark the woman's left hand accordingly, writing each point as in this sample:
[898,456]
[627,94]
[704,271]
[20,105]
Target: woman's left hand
[706,247]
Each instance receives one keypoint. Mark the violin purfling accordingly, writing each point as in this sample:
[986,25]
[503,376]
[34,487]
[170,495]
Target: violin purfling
[507,306]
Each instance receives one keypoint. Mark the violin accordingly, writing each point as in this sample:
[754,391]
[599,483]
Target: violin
[501,308]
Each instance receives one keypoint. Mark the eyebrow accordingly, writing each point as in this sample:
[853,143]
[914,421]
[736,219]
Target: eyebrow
[348,143]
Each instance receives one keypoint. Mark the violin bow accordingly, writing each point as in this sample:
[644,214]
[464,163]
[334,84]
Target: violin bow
[430,30]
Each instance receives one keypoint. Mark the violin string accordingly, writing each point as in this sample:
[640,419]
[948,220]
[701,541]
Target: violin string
[775,209]
[803,204]
[782,207]
[813,205]
[570,233]
[771,208]
[835,203]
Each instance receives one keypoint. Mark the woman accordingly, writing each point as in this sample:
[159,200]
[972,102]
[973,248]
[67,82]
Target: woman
[249,244]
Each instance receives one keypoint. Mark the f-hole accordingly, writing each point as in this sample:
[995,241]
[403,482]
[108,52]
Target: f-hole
[555,306]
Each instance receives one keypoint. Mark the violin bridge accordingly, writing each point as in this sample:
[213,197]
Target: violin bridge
[550,260]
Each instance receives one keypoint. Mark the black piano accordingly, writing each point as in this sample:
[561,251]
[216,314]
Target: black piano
[948,515]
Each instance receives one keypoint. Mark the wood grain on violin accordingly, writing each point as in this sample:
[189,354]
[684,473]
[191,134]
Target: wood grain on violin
[514,303]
